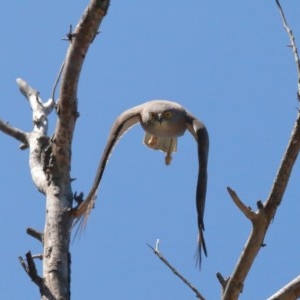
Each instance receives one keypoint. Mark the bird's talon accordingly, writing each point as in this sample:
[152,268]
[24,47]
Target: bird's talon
[168,159]
[152,140]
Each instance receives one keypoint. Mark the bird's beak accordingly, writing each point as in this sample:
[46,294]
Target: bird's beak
[159,117]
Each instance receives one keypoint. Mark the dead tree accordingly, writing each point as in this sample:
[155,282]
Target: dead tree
[50,158]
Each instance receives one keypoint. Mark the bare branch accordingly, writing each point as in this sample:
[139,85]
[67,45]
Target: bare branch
[38,256]
[30,269]
[289,292]
[223,281]
[238,202]
[235,284]
[57,80]
[40,109]
[82,36]
[34,233]
[15,133]
[264,216]
[266,212]
[284,171]
[293,44]
[165,261]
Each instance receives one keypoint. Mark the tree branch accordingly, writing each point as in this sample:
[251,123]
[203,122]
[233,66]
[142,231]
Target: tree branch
[290,291]
[31,271]
[293,44]
[40,109]
[38,140]
[266,212]
[80,40]
[223,281]
[15,133]
[57,80]
[235,284]
[36,234]
[264,217]
[284,172]
[238,202]
[165,261]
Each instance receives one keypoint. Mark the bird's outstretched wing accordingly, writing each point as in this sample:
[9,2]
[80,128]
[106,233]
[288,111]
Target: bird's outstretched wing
[199,131]
[124,122]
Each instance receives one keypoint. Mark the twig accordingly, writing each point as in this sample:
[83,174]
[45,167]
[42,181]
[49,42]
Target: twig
[238,202]
[38,256]
[57,80]
[34,233]
[164,260]
[293,45]
[30,269]
[16,133]
[70,35]
[223,281]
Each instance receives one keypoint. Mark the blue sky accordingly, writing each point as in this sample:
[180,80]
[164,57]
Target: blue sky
[226,62]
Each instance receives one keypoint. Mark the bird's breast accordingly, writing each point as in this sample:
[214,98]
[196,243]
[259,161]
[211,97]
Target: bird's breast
[164,129]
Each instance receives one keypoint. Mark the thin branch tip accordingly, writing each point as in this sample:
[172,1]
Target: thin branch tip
[57,80]
[34,233]
[292,45]
[168,264]
[239,203]
[223,281]
[150,246]
[157,245]
[259,204]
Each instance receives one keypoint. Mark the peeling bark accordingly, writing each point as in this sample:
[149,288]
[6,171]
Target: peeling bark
[50,158]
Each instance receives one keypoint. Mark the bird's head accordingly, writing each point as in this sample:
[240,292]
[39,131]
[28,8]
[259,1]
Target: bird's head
[164,119]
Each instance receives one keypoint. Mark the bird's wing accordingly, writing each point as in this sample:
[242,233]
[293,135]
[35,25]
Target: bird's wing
[199,131]
[124,122]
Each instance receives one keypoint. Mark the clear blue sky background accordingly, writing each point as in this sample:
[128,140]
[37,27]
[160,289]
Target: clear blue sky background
[227,62]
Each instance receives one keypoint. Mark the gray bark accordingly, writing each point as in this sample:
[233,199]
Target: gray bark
[50,159]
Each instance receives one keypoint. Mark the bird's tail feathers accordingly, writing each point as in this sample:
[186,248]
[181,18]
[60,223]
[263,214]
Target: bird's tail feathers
[201,247]
[82,213]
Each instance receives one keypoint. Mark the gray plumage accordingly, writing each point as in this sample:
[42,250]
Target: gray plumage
[163,122]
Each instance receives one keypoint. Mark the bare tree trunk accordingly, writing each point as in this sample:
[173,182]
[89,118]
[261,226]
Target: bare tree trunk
[56,263]
[50,159]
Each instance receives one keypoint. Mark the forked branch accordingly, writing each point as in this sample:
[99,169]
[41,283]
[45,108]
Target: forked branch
[30,268]
[266,211]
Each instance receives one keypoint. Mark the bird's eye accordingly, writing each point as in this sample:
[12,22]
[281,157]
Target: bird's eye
[152,115]
[168,114]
